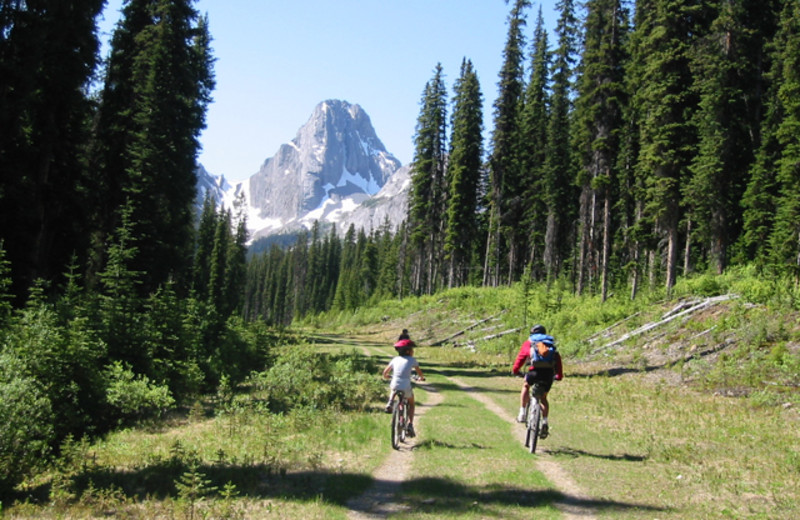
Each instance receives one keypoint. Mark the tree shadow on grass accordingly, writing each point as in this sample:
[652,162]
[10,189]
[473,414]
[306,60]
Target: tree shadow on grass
[445,496]
[573,453]
[259,481]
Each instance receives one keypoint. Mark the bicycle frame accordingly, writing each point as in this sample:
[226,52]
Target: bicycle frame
[399,418]
[533,420]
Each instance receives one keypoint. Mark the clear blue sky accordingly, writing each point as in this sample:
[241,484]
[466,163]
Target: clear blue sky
[276,60]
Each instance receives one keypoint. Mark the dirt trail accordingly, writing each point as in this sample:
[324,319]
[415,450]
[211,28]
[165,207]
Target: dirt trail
[378,501]
[571,506]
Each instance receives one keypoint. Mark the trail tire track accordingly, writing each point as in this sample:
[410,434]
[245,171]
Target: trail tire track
[380,499]
[573,505]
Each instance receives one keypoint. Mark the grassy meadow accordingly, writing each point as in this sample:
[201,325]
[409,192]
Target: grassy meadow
[695,417]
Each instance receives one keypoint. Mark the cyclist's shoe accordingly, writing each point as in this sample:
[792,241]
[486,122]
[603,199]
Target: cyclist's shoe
[388,408]
[545,431]
[410,431]
[521,416]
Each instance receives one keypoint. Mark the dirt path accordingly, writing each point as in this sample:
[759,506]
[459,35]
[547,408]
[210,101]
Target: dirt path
[574,498]
[379,500]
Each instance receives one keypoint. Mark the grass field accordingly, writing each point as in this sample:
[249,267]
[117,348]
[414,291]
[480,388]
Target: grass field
[641,439]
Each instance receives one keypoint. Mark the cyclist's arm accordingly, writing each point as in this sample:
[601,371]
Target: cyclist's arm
[559,372]
[419,373]
[522,357]
[387,371]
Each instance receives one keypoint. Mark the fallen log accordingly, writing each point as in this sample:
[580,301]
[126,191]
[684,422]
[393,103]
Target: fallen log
[652,325]
[594,336]
[460,332]
[491,336]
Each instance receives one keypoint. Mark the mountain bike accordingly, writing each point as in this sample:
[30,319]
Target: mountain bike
[399,418]
[533,421]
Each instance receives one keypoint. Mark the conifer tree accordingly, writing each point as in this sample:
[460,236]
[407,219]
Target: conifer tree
[152,109]
[785,238]
[559,172]
[531,148]
[48,53]
[599,106]
[427,196]
[760,196]
[668,30]
[464,171]
[728,84]
[505,204]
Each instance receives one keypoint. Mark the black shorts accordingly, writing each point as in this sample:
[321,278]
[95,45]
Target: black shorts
[540,380]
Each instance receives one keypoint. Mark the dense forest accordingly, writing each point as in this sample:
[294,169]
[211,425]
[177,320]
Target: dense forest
[652,140]
[649,141]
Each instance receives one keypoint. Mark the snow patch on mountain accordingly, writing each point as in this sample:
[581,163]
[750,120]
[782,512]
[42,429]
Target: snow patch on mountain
[334,168]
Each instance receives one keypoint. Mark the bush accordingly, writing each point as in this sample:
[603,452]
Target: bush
[27,423]
[302,376]
[135,396]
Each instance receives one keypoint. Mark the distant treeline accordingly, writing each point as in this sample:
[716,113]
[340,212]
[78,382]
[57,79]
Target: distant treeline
[642,145]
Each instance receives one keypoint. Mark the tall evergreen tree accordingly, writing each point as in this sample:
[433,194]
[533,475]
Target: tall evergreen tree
[427,197]
[48,53]
[463,175]
[559,173]
[665,97]
[599,112]
[505,200]
[531,148]
[728,81]
[157,87]
[785,238]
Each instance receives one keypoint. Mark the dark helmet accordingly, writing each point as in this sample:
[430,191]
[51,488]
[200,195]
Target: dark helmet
[538,329]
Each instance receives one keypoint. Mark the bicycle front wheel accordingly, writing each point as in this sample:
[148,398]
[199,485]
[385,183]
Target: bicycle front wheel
[534,415]
[403,421]
[396,425]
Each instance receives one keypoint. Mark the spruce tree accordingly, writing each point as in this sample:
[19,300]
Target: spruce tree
[505,180]
[728,83]
[464,170]
[557,189]
[599,112]
[427,196]
[785,238]
[531,148]
[48,55]
[665,95]
[152,109]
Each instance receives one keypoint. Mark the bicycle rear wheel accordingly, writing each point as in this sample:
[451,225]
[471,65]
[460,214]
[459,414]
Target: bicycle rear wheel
[534,415]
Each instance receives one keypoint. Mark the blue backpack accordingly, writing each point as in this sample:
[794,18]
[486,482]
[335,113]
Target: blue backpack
[543,351]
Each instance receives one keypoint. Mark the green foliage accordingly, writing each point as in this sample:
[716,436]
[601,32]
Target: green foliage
[304,377]
[65,360]
[26,417]
[192,486]
[134,396]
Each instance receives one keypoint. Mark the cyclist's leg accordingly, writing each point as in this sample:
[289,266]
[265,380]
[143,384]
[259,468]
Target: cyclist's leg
[524,395]
[392,393]
[544,405]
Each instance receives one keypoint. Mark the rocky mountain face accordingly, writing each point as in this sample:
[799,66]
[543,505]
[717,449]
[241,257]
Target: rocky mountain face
[335,170]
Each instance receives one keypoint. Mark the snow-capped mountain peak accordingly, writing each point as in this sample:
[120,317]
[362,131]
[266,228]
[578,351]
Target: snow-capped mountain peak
[333,165]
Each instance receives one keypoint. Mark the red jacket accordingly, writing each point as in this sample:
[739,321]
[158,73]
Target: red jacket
[525,354]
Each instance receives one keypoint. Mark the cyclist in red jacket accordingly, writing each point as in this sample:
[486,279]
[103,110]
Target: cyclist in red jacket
[539,375]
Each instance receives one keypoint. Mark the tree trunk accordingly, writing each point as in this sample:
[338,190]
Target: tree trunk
[606,245]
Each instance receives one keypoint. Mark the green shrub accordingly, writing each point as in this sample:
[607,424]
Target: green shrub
[303,376]
[27,423]
[135,396]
